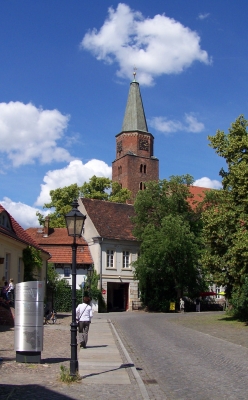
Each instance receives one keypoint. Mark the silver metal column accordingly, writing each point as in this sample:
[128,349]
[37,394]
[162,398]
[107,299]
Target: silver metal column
[29,317]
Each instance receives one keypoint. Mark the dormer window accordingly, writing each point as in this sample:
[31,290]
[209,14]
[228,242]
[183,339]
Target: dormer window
[5,221]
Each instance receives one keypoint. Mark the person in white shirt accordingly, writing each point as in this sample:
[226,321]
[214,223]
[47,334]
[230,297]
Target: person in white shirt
[10,289]
[83,316]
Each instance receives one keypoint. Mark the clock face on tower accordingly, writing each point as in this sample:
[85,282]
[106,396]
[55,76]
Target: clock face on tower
[143,144]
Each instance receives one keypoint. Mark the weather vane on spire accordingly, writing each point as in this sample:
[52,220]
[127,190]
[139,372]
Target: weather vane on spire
[134,73]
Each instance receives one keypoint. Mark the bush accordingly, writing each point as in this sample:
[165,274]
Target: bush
[63,294]
[239,302]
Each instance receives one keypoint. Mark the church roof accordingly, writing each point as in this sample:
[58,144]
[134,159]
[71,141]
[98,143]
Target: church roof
[134,119]
[111,220]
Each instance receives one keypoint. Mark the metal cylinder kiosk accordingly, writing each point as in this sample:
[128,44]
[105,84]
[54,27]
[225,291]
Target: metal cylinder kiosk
[29,316]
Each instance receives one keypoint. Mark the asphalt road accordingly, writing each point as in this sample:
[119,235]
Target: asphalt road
[180,362]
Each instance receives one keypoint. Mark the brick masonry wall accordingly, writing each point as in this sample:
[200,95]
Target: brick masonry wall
[130,176]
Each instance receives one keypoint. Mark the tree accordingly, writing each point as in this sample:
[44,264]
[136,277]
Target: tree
[32,261]
[226,211]
[52,282]
[170,235]
[97,188]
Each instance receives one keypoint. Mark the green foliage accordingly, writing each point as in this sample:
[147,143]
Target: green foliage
[63,294]
[239,301]
[97,188]
[91,286]
[226,211]
[102,306]
[61,201]
[32,263]
[170,235]
[52,277]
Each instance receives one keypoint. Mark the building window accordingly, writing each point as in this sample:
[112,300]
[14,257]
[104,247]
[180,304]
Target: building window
[67,272]
[4,221]
[144,169]
[141,167]
[140,185]
[125,259]
[110,258]
[120,170]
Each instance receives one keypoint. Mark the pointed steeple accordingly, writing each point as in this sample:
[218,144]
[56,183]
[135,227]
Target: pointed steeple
[134,119]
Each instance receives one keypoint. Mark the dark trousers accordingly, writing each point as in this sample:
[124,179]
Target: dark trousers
[84,327]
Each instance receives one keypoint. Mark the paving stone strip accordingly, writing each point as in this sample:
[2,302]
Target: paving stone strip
[41,381]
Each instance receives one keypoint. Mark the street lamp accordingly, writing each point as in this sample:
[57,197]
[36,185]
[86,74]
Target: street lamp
[74,223]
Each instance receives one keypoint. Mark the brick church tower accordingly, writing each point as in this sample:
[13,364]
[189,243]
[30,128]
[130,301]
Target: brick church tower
[135,163]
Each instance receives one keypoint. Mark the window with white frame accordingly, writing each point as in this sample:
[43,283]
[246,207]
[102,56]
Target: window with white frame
[110,258]
[125,259]
[67,272]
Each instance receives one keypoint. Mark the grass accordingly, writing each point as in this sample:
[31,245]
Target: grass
[66,377]
[217,324]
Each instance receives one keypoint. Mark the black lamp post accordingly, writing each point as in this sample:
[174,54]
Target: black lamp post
[74,223]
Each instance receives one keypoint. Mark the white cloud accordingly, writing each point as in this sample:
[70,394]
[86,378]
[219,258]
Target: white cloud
[75,172]
[203,16]
[28,133]
[158,45]
[190,124]
[208,183]
[22,213]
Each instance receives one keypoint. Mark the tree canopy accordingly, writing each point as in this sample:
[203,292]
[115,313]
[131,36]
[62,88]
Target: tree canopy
[97,188]
[226,211]
[170,235]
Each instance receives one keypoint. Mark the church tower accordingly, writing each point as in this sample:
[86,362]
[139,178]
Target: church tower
[135,163]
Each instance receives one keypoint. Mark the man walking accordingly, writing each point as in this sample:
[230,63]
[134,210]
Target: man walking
[84,315]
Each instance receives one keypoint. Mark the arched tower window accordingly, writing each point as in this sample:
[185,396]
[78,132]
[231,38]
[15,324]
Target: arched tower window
[141,167]
[144,169]
[140,185]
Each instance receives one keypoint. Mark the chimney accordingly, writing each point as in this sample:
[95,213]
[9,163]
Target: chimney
[46,227]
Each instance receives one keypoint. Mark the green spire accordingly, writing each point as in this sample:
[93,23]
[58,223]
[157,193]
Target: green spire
[134,119]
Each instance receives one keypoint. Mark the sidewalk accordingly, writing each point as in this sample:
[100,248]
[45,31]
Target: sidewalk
[106,369]
[101,362]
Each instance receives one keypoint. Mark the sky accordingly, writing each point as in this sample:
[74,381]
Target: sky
[65,71]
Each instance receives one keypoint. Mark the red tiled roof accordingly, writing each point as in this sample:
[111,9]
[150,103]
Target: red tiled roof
[18,233]
[63,254]
[112,220]
[198,195]
[56,236]
[58,244]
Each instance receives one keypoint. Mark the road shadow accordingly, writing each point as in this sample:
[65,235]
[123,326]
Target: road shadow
[129,365]
[53,360]
[23,392]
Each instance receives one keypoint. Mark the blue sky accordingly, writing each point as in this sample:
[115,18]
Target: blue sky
[64,78]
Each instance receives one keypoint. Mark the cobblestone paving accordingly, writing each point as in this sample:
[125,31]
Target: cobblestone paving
[190,356]
[178,356]
[40,381]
